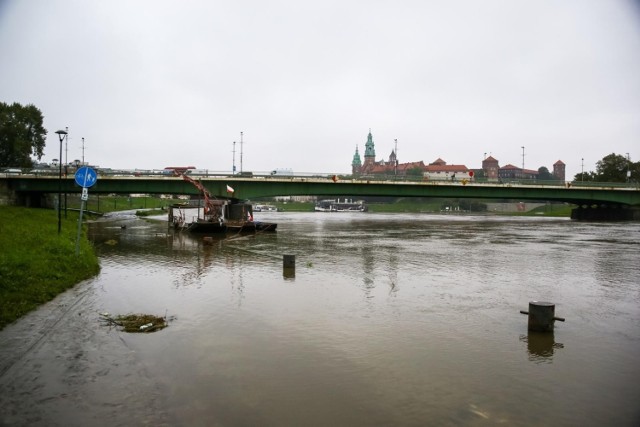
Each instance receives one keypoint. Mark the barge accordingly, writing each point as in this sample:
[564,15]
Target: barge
[220,216]
[211,215]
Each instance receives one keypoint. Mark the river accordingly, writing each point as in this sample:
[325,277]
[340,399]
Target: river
[389,320]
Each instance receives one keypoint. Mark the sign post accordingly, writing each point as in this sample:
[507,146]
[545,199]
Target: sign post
[85,177]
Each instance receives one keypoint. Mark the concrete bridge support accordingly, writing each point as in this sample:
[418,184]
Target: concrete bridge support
[7,196]
[33,200]
[606,213]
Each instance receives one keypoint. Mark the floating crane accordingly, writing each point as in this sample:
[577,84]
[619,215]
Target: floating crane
[219,215]
[214,210]
[208,202]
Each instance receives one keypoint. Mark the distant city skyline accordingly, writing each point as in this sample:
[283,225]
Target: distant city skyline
[517,163]
[372,164]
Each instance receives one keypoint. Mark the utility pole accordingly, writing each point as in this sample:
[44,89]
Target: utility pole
[523,160]
[582,172]
[628,168]
[83,151]
[233,171]
[240,152]
[396,160]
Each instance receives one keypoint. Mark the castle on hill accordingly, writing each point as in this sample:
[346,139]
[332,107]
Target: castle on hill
[439,169]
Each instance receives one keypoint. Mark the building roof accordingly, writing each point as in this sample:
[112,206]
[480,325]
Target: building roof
[376,168]
[559,162]
[510,167]
[389,168]
[446,168]
[411,165]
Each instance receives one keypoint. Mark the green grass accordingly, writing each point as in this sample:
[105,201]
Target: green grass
[553,210]
[102,203]
[36,263]
[404,205]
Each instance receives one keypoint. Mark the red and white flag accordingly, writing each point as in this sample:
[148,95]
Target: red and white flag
[229,189]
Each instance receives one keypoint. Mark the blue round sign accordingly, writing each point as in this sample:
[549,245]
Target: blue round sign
[86,177]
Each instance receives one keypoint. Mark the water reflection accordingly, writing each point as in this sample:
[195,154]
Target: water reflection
[289,273]
[541,346]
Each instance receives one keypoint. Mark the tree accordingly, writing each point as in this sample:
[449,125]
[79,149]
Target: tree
[472,205]
[21,134]
[545,175]
[634,168]
[415,172]
[585,177]
[612,168]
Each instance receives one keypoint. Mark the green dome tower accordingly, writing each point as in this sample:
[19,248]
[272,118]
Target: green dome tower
[356,163]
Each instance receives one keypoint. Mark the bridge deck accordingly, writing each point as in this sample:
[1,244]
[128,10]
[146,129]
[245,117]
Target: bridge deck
[269,186]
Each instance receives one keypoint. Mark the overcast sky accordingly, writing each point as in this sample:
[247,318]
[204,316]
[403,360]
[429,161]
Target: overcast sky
[155,83]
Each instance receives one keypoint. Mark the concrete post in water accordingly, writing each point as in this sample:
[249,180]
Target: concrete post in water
[289,261]
[289,265]
[541,316]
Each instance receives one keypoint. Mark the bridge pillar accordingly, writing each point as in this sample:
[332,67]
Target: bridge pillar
[7,196]
[606,213]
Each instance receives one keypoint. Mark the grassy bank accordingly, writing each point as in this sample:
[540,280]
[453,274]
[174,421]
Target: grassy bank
[112,203]
[36,263]
[554,210]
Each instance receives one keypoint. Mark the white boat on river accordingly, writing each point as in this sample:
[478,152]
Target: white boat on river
[338,205]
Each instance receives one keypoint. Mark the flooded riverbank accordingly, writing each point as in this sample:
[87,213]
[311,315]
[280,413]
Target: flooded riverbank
[389,320]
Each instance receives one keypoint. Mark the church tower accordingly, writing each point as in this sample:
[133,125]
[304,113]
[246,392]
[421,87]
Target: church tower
[356,164]
[369,153]
[393,159]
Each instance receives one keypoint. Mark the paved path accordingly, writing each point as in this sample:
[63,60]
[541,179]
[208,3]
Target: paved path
[60,367]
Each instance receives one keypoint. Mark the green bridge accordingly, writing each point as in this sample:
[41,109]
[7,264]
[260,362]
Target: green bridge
[592,200]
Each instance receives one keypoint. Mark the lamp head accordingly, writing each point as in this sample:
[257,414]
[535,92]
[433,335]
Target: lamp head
[62,134]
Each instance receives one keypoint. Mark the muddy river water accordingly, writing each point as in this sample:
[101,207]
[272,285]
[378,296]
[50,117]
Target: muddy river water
[390,320]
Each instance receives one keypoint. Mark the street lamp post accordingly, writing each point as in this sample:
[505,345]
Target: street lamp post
[62,134]
[66,166]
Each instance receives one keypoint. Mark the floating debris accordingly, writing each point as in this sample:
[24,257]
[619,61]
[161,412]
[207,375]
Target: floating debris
[135,322]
